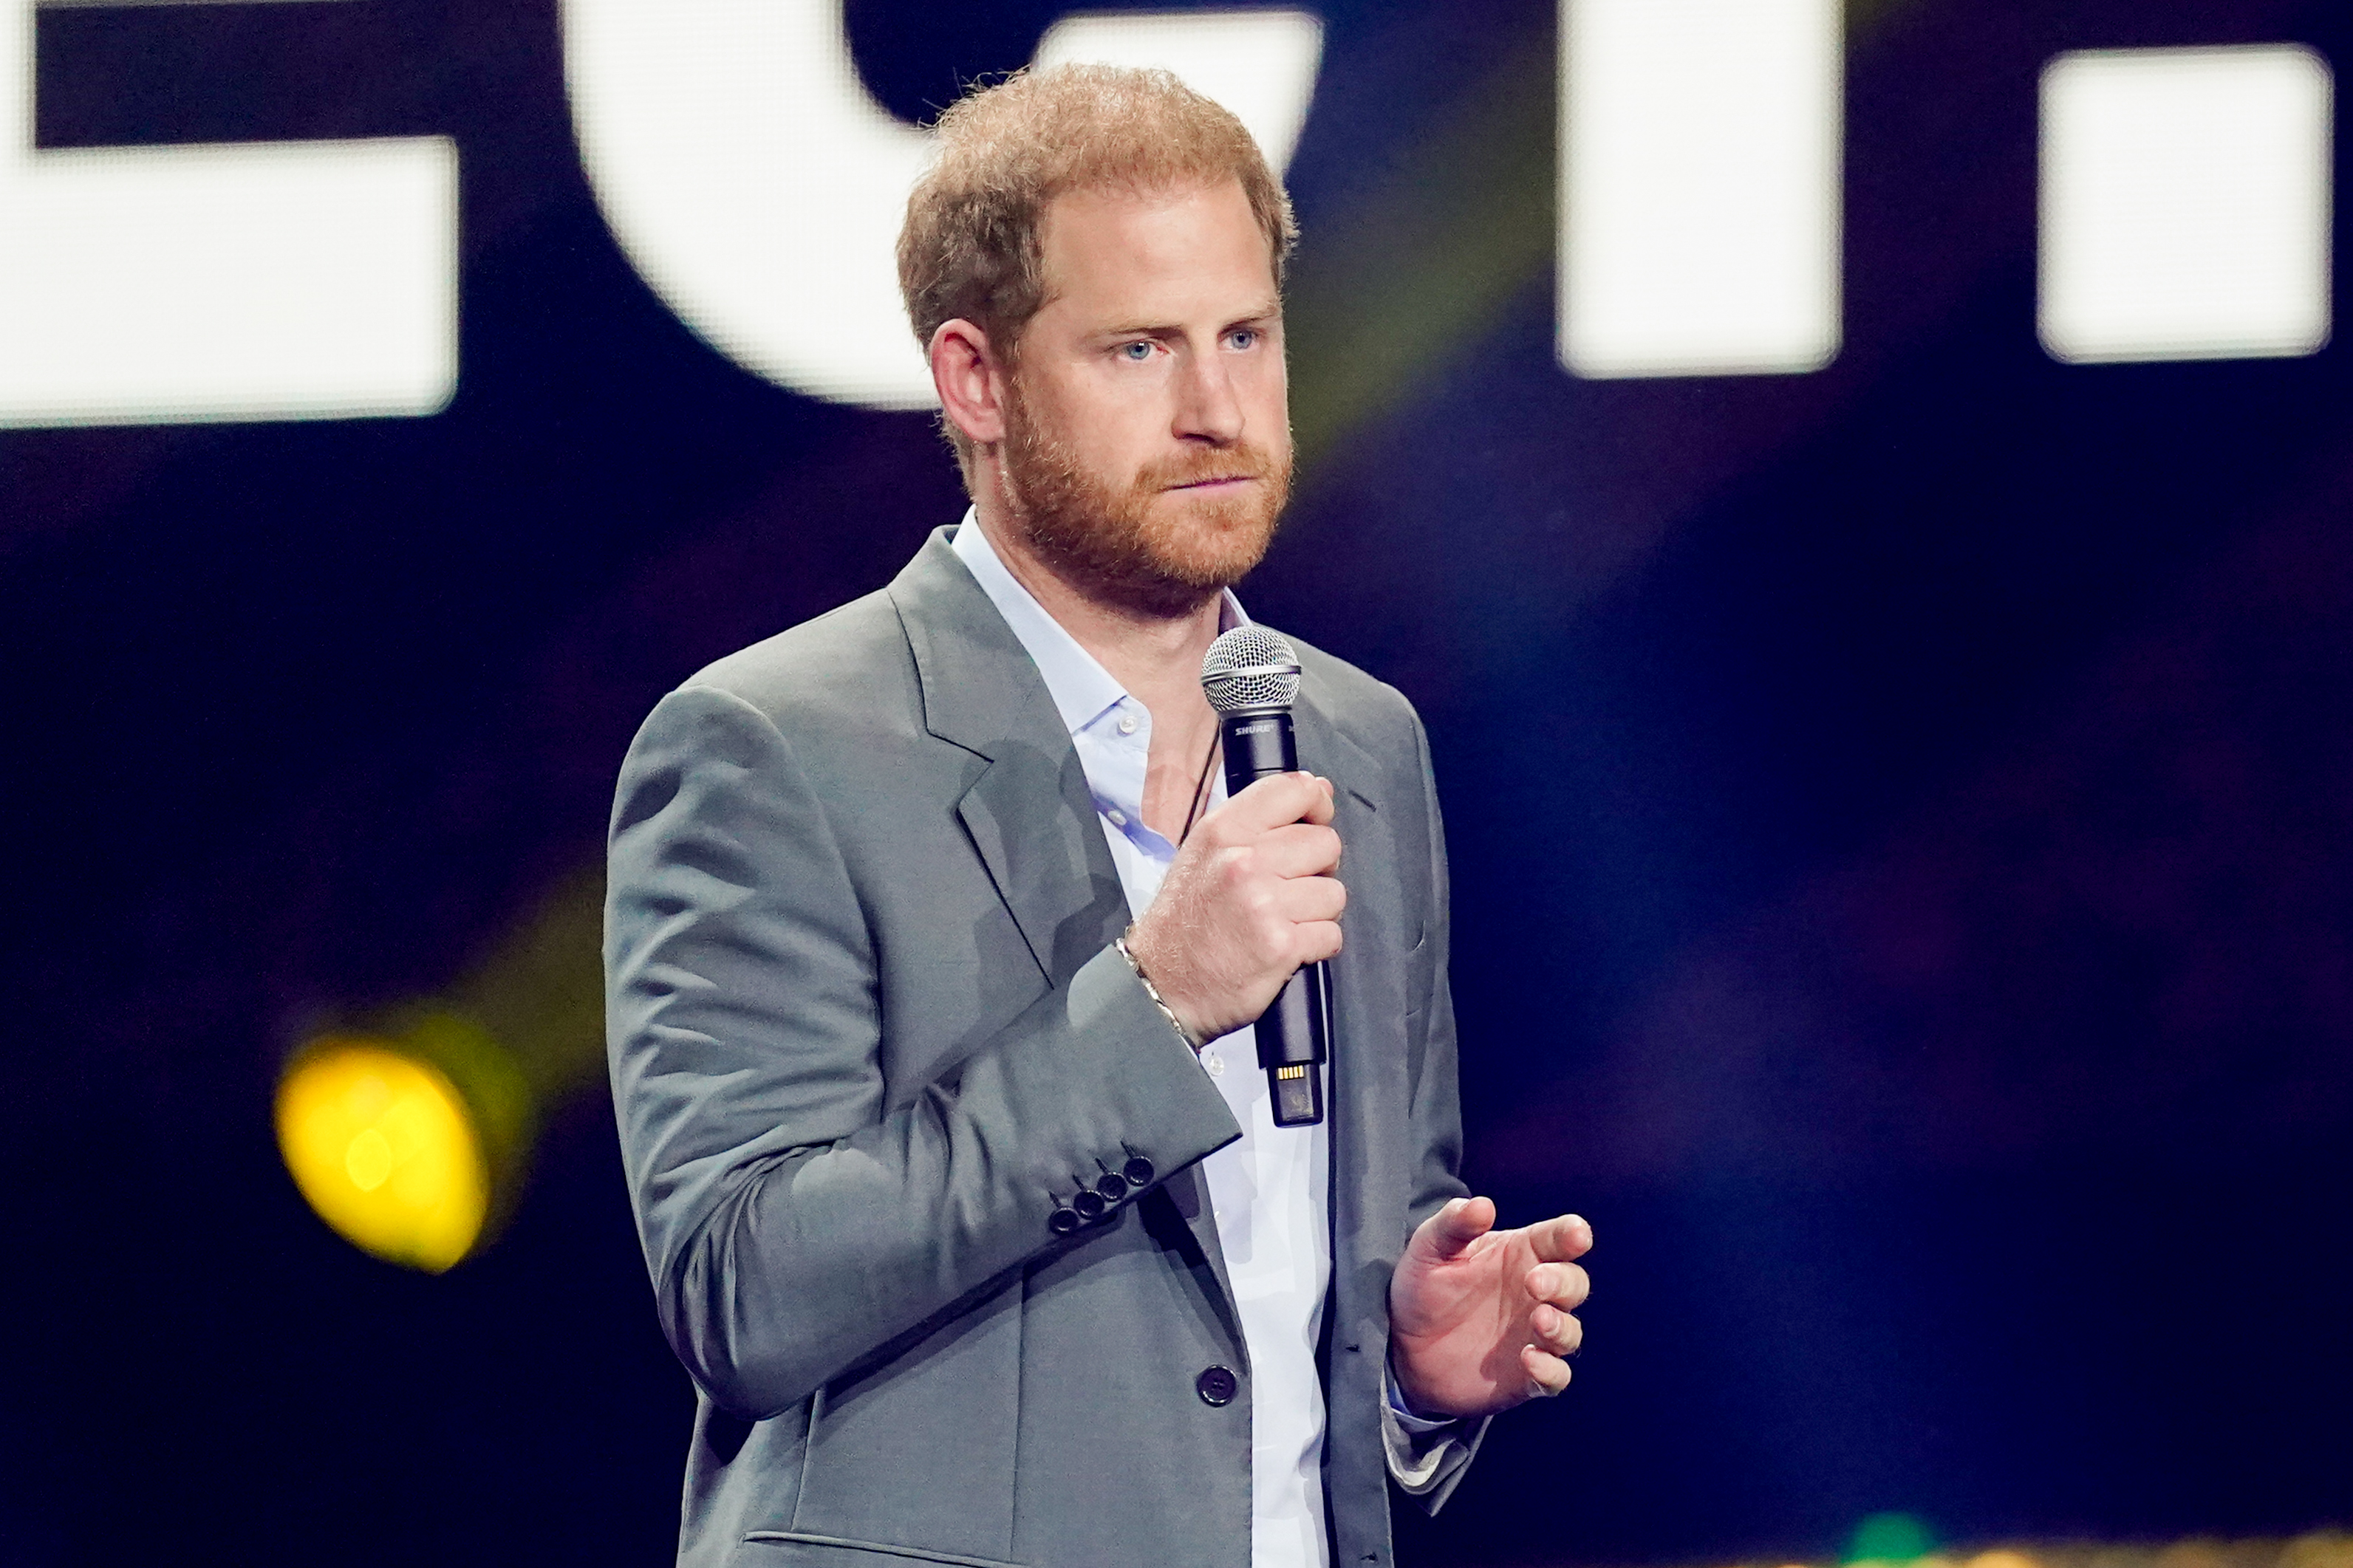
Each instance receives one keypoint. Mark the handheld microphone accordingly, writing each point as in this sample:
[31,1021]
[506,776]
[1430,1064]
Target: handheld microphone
[1252,678]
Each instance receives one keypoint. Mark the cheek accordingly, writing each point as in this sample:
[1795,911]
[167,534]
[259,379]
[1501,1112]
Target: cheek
[1266,397]
[1121,408]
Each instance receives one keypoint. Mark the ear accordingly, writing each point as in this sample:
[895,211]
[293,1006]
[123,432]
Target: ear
[971,388]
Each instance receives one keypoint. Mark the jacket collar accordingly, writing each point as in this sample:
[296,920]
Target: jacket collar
[983,692]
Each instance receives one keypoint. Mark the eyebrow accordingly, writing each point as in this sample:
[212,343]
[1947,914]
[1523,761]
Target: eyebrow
[1271,310]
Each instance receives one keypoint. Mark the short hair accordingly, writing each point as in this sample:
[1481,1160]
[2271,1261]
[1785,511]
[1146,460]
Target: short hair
[969,247]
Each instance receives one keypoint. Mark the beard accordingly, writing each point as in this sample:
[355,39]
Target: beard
[1112,541]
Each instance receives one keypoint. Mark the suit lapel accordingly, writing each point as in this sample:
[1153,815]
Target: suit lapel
[1028,813]
[1368,1078]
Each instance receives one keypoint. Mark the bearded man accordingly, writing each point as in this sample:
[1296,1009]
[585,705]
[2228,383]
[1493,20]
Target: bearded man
[935,948]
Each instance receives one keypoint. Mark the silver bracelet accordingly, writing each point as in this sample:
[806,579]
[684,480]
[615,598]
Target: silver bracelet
[1153,991]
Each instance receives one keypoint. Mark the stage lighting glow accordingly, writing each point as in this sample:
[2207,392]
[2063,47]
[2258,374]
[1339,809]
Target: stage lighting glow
[293,280]
[385,1149]
[2184,204]
[758,187]
[1890,1538]
[1700,186]
[1894,1536]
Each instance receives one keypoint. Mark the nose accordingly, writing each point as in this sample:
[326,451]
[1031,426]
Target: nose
[1209,410]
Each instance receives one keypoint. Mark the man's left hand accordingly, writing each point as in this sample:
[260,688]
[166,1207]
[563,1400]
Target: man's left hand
[1480,1318]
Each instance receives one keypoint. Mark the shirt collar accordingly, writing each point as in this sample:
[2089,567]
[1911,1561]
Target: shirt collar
[1081,686]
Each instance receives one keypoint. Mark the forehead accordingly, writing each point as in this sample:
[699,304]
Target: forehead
[1153,256]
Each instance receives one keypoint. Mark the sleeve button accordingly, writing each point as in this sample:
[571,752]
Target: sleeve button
[1111,1185]
[1138,1171]
[1061,1222]
[1090,1203]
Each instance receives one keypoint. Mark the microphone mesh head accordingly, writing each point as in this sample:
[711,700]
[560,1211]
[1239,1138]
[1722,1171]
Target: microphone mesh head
[1250,668]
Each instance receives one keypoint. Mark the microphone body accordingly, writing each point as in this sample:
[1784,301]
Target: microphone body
[1254,720]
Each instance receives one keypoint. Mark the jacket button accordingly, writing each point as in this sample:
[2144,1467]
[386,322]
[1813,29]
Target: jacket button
[1061,1222]
[1138,1171]
[1111,1185]
[1090,1203]
[1218,1385]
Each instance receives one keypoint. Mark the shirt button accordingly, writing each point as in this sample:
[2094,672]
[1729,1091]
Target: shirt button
[1218,1385]
[1118,817]
[1215,1063]
[1128,724]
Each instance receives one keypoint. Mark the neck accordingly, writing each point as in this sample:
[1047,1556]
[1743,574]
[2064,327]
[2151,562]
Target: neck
[1156,658]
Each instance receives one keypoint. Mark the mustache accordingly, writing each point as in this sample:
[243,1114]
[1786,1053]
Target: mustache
[1242,460]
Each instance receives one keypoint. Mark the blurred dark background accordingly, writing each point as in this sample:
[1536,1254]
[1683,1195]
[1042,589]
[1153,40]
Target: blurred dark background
[1900,818]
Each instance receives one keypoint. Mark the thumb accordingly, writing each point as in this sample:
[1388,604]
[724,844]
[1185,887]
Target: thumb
[1450,1231]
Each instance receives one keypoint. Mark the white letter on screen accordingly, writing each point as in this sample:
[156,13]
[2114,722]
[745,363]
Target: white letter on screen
[2184,204]
[277,280]
[1701,150]
[758,187]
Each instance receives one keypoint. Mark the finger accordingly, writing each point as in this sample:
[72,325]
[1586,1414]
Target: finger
[1555,1329]
[1547,1374]
[1560,1240]
[1455,1227]
[1564,1285]
[1317,940]
[1301,850]
[1276,801]
[1305,899]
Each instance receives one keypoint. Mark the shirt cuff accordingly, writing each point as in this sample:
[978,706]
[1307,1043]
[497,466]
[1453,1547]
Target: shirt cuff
[1422,1450]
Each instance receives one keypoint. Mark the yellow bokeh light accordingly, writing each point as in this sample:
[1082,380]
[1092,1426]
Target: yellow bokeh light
[383,1148]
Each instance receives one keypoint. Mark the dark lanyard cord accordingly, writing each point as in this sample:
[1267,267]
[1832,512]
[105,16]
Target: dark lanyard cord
[1201,786]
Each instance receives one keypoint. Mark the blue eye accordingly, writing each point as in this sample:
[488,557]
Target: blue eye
[1135,354]
[1243,337]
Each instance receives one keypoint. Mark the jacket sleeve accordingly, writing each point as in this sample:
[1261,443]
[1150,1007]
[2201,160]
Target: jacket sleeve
[791,1227]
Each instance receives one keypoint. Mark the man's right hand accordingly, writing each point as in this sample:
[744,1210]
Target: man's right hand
[1249,898]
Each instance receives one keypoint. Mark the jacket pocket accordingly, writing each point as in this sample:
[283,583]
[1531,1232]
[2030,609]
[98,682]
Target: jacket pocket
[837,1551]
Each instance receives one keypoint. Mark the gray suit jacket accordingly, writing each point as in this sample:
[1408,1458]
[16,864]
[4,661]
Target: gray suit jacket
[868,1036]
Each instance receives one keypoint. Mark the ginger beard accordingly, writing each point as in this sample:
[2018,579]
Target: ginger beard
[1143,545]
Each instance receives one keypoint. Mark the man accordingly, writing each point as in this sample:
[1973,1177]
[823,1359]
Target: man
[967,1215]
